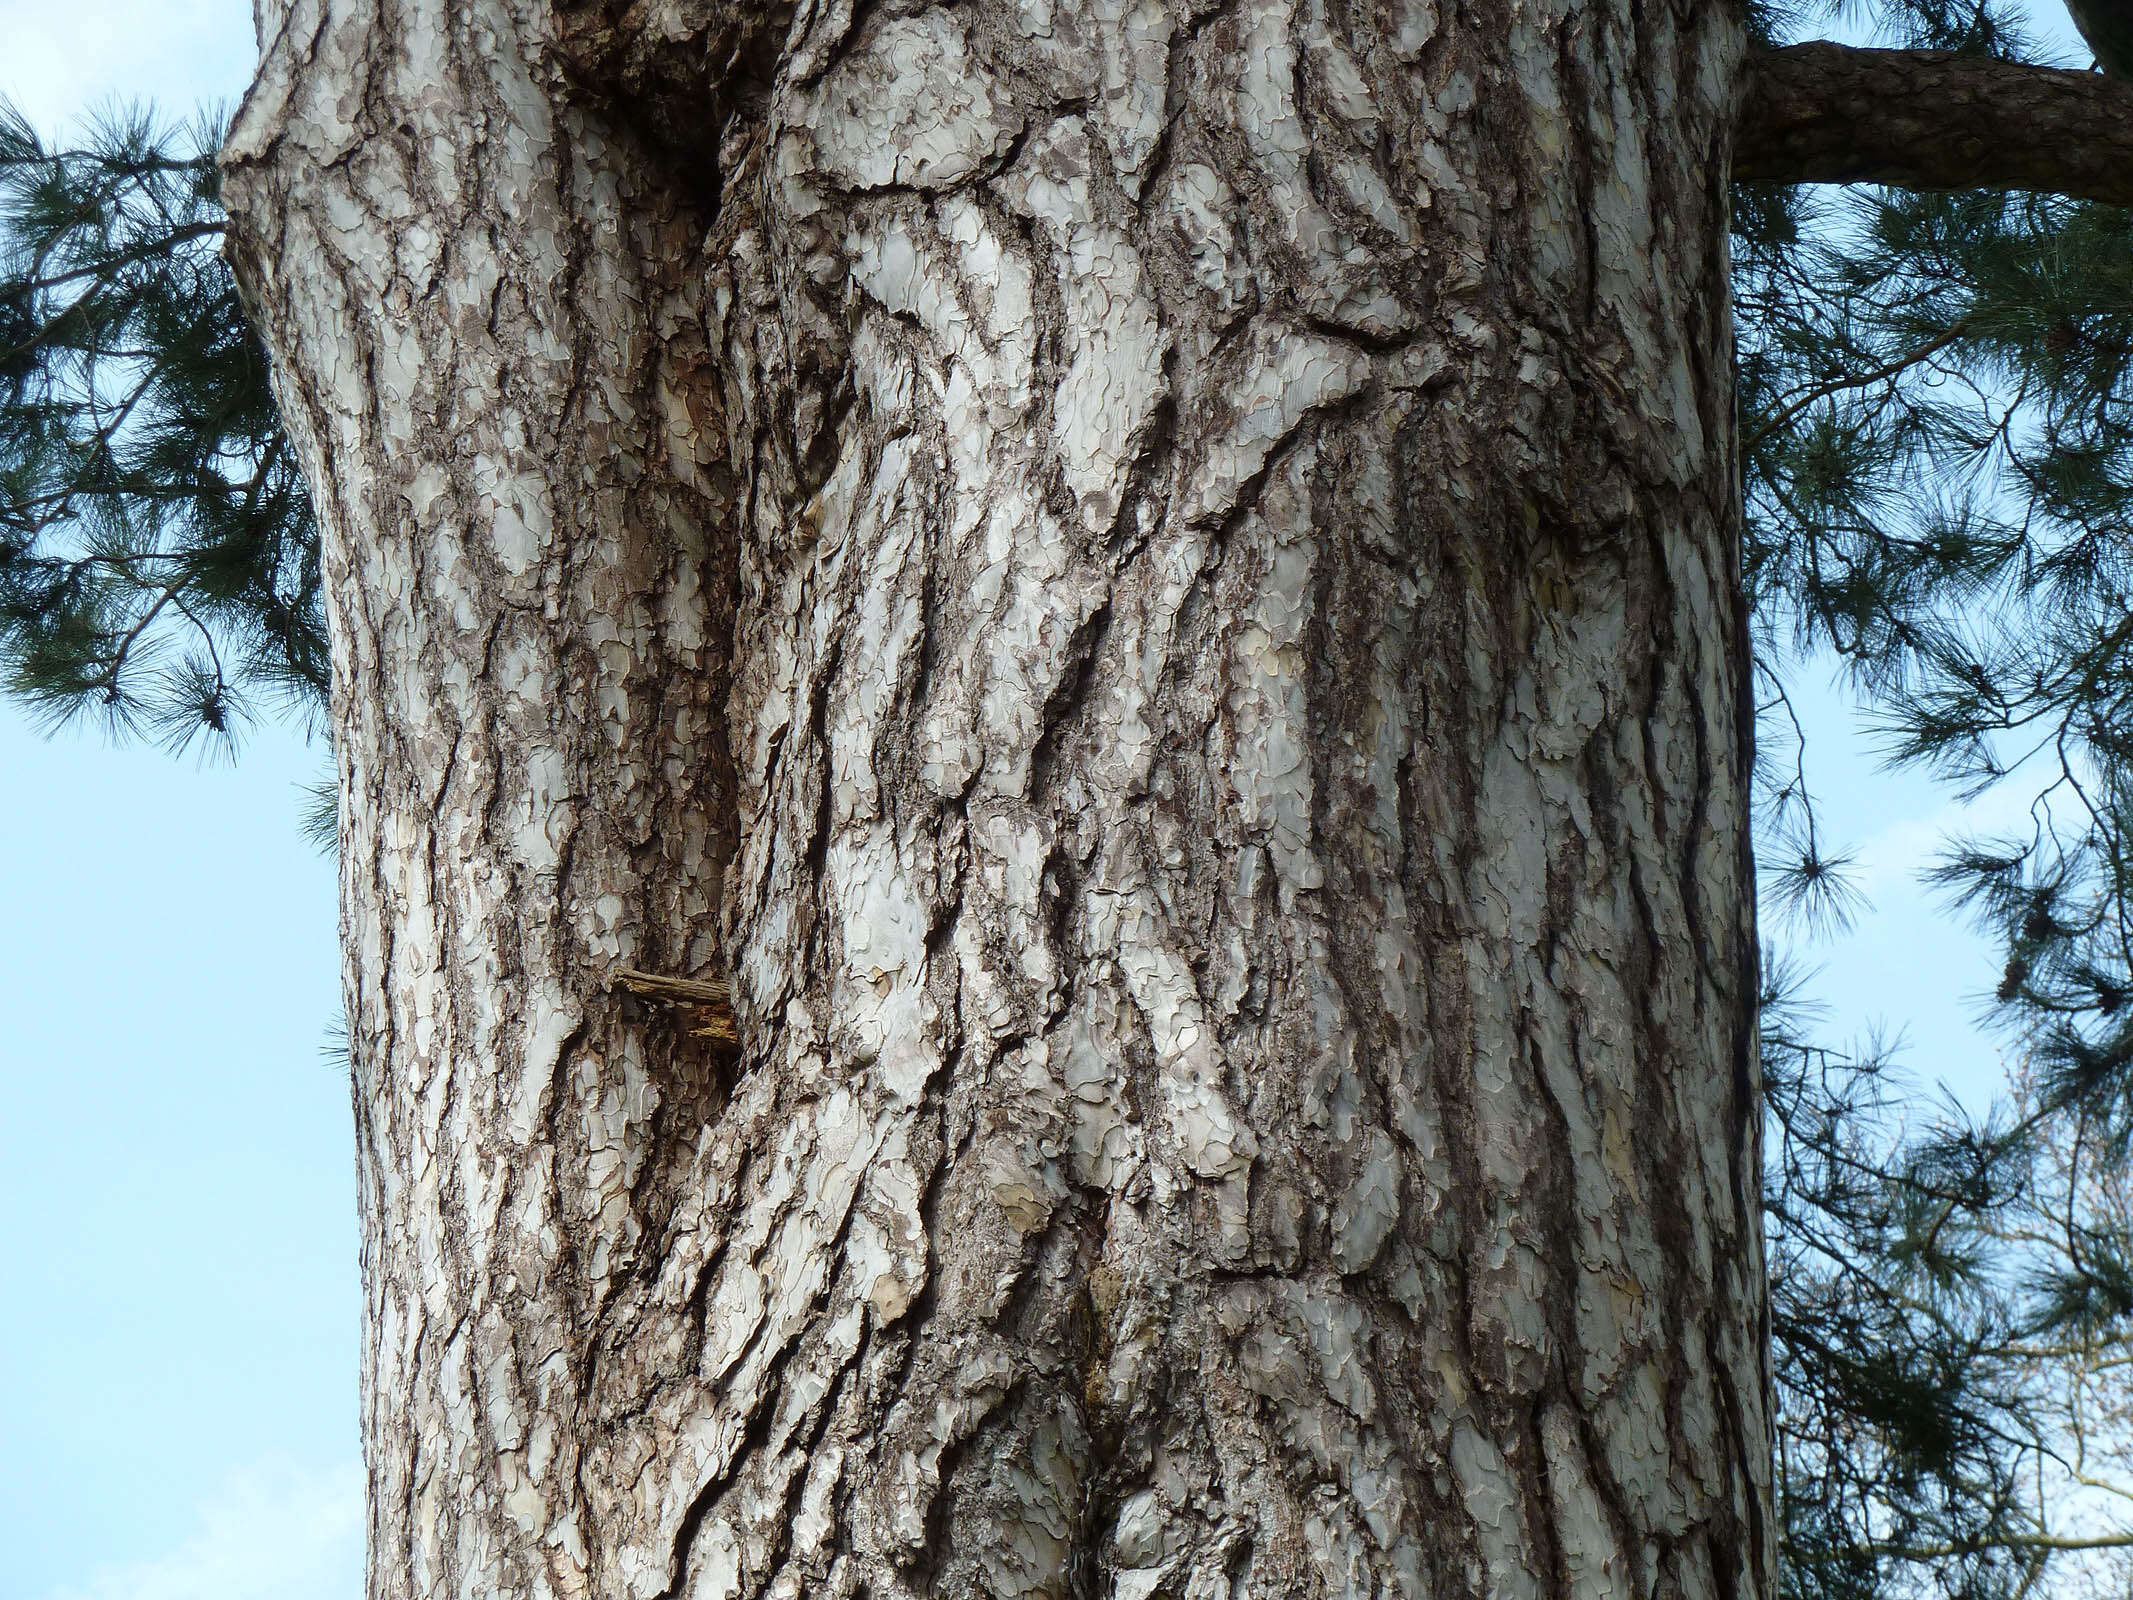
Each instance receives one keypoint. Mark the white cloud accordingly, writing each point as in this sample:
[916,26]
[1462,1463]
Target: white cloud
[275,1531]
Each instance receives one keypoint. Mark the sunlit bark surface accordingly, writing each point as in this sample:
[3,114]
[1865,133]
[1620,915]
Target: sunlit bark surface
[1158,587]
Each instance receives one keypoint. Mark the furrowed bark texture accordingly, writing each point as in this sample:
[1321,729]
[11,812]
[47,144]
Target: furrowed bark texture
[1209,538]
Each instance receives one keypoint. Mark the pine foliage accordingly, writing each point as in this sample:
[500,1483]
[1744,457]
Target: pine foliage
[1936,395]
[158,563]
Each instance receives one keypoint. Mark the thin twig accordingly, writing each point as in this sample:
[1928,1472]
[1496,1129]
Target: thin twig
[1822,391]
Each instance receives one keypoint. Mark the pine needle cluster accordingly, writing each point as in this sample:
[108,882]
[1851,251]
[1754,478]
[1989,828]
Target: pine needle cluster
[159,567]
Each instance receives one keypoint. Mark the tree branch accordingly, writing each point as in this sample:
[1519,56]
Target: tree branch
[1799,401]
[713,996]
[1930,119]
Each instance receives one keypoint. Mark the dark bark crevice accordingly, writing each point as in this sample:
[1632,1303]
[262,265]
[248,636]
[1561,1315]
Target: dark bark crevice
[682,74]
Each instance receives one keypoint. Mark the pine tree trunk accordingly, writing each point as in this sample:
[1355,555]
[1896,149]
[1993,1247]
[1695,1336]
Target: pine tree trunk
[1159,588]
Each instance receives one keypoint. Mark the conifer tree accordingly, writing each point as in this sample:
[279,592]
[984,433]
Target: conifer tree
[1936,394]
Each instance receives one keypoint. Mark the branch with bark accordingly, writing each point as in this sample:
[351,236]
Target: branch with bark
[714,997]
[1927,119]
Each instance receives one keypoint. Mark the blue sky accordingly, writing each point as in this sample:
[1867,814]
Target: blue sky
[177,1242]
[179,1319]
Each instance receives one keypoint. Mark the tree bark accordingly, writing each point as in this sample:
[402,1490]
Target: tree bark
[1927,119]
[1158,589]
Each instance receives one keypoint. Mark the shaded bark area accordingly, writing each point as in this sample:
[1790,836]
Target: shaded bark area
[1232,865]
[1927,119]
[686,74]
